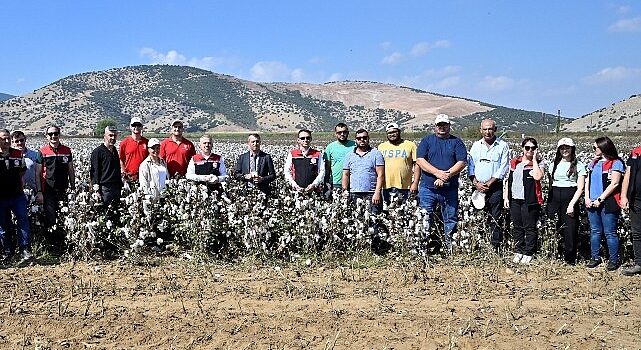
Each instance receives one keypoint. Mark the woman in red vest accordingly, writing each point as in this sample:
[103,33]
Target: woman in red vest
[602,197]
[524,198]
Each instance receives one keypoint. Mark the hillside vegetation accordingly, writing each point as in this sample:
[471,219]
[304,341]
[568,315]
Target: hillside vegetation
[208,101]
[621,116]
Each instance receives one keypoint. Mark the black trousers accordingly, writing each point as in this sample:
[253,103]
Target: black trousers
[567,226]
[524,231]
[494,209]
[51,198]
[635,231]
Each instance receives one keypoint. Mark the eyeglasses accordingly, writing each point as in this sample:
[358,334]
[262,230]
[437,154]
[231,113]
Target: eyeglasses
[56,133]
[342,132]
[137,125]
[442,125]
[392,132]
[362,138]
[19,141]
[529,148]
[305,138]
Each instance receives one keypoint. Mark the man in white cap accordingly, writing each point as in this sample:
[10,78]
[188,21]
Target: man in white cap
[488,163]
[133,150]
[442,157]
[401,174]
[176,150]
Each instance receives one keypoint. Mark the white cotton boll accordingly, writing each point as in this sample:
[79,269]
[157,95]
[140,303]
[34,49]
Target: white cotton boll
[277,268]
[139,242]
[159,241]
[64,209]
[109,224]
[308,262]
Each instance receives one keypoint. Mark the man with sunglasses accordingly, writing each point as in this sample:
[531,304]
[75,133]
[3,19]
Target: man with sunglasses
[442,157]
[363,177]
[304,167]
[401,174]
[59,178]
[335,154]
[176,150]
[132,151]
[488,164]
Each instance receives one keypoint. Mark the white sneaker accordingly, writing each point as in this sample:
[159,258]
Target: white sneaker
[517,258]
[526,259]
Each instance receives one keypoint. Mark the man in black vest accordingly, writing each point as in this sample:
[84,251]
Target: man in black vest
[255,167]
[206,166]
[12,198]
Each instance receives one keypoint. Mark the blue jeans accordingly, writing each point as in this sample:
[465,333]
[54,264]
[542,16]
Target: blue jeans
[17,205]
[602,224]
[448,199]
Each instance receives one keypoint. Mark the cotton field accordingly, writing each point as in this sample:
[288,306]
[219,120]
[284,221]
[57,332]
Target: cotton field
[191,222]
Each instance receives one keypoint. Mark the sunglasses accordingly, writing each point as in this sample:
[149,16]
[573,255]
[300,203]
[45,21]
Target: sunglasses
[19,141]
[53,133]
[305,138]
[362,138]
[594,147]
[342,132]
[442,125]
[137,125]
[529,148]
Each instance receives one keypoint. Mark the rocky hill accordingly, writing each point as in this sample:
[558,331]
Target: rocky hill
[621,116]
[208,101]
[5,96]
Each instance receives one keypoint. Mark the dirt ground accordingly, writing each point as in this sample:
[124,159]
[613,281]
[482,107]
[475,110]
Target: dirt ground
[455,303]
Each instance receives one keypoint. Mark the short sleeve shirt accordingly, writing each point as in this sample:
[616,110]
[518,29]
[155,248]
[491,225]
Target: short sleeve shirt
[399,160]
[561,178]
[596,176]
[362,170]
[335,154]
[442,153]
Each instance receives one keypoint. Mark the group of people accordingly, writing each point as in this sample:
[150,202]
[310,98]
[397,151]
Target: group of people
[394,170]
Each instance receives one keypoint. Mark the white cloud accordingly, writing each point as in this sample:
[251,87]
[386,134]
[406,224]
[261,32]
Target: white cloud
[623,9]
[392,59]
[20,81]
[173,57]
[422,48]
[613,74]
[626,25]
[492,83]
[435,79]
[269,71]
[385,45]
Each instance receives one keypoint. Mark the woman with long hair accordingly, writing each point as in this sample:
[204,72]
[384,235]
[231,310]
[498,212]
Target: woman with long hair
[568,181]
[602,196]
[523,196]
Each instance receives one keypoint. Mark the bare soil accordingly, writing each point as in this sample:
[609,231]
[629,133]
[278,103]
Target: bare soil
[455,303]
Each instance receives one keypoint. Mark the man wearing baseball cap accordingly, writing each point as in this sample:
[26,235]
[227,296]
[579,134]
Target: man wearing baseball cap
[133,150]
[442,157]
[176,150]
[401,174]
[488,163]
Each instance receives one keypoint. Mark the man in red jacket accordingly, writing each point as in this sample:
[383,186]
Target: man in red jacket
[176,150]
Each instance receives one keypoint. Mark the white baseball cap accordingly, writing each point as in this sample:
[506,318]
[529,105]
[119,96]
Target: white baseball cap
[153,142]
[392,126]
[566,141]
[478,200]
[135,120]
[442,118]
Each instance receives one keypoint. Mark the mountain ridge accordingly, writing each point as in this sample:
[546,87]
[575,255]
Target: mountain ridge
[209,101]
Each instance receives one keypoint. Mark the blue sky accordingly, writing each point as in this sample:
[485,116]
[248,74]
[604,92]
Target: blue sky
[572,55]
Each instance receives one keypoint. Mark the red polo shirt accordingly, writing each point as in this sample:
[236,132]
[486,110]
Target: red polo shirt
[177,155]
[132,153]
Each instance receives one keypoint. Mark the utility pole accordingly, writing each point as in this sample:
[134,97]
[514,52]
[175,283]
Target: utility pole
[558,121]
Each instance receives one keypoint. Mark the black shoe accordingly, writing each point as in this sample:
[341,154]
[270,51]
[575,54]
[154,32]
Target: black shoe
[612,266]
[593,263]
[632,270]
